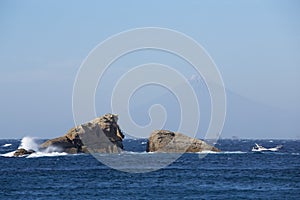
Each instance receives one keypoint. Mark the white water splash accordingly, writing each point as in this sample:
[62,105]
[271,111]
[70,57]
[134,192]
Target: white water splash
[29,143]
[6,145]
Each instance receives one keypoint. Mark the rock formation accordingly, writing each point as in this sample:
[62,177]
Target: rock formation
[101,135]
[23,152]
[167,141]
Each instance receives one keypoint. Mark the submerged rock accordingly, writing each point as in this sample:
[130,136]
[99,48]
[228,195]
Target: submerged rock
[23,152]
[101,135]
[167,141]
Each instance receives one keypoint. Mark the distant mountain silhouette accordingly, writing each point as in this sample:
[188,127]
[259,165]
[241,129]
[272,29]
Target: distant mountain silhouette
[245,118]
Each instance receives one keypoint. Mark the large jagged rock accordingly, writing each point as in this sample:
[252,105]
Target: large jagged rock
[23,152]
[101,135]
[167,141]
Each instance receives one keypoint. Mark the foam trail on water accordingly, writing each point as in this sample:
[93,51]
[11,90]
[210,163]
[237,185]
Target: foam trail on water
[222,152]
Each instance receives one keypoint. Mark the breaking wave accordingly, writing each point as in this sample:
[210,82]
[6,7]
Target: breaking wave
[6,145]
[30,143]
[9,154]
[44,154]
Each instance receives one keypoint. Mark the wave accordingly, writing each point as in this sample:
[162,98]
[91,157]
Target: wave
[36,154]
[43,154]
[6,145]
[29,143]
[9,154]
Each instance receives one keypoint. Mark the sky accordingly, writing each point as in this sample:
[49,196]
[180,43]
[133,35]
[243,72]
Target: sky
[255,44]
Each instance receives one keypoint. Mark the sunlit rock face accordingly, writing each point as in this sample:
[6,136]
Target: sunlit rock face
[168,141]
[101,135]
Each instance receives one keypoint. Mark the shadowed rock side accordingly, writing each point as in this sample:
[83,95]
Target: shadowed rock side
[23,152]
[101,135]
[167,141]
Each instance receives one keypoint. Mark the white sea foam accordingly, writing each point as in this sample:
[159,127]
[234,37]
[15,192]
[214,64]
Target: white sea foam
[297,154]
[134,152]
[43,154]
[233,152]
[6,145]
[202,152]
[222,152]
[29,143]
[206,152]
[9,154]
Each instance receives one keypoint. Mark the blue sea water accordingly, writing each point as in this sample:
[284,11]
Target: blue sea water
[236,173]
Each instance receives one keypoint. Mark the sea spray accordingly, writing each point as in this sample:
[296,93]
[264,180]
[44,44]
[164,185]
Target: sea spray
[29,143]
[51,149]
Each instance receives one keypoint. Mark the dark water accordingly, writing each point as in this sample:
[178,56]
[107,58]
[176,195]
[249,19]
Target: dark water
[237,173]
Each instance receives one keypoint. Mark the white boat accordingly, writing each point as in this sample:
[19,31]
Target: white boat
[259,148]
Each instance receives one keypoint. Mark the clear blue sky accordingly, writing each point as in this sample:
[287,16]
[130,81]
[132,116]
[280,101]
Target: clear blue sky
[255,44]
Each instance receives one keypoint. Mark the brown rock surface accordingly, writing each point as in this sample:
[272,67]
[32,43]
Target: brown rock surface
[167,141]
[101,135]
[23,152]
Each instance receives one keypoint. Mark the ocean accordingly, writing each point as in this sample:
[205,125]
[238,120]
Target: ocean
[235,173]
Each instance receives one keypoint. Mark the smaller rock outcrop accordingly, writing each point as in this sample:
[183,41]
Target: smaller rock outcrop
[23,152]
[168,141]
[101,135]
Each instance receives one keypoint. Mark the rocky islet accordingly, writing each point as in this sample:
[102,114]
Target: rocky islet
[103,135]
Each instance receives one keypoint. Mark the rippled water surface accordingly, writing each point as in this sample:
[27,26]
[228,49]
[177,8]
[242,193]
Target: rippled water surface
[235,173]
